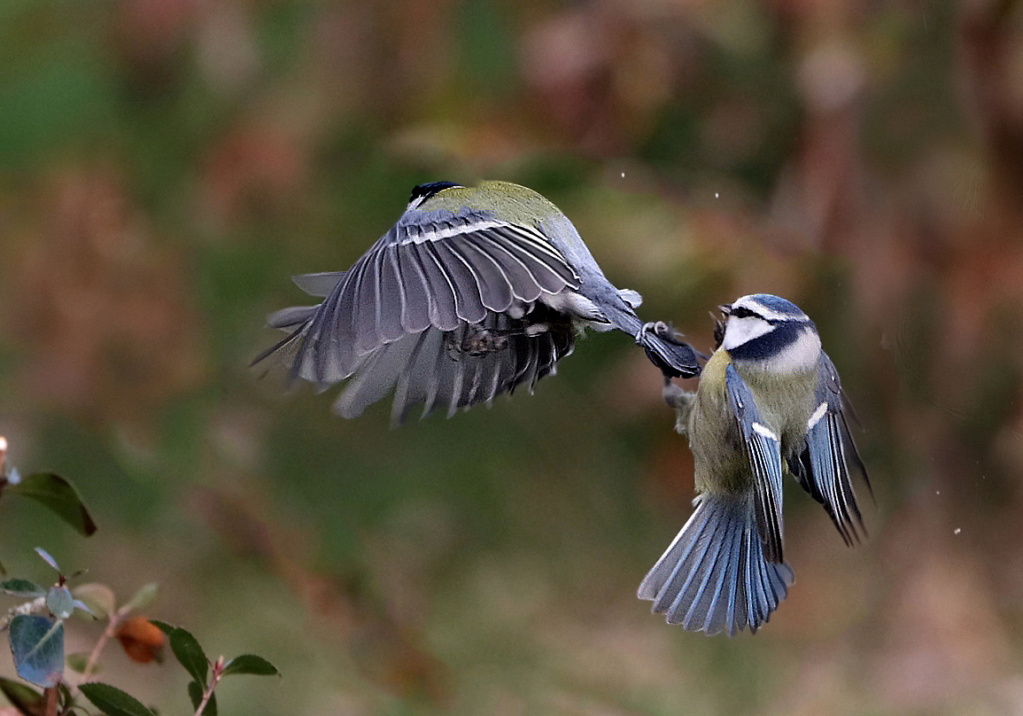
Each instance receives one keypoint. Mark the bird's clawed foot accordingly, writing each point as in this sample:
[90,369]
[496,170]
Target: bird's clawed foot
[664,331]
[681,401]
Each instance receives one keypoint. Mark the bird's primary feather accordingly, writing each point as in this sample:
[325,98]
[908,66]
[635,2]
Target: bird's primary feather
[829,459]
[763,453]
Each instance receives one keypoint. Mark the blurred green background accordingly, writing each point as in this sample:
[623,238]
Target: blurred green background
[166,165]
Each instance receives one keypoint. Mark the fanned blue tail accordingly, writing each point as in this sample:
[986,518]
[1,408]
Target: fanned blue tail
[714,576]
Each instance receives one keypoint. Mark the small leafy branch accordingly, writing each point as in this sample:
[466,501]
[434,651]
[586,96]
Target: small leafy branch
[36,627]
[48,489]
[206,675]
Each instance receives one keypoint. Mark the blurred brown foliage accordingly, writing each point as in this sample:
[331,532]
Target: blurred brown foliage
[166,164]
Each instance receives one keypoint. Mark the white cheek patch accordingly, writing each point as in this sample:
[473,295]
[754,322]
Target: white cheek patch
[802,354]
[743,330]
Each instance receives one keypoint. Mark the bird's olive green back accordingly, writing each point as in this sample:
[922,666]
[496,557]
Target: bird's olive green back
[517,204]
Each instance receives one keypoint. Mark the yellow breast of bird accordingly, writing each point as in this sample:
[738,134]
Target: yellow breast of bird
[785,403]
[718,458]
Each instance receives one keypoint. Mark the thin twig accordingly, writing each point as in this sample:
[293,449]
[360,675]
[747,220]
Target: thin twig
[51,694]
[207,693]
[115,621]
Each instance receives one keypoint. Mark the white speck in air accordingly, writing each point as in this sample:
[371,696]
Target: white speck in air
[957,530]
[623,175]
[717,195]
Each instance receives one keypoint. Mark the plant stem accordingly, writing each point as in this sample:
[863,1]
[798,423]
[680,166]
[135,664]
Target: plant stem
[51,701]
[207,693]
[108,633]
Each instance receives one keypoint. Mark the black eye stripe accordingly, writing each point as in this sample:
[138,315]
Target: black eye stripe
[743,312]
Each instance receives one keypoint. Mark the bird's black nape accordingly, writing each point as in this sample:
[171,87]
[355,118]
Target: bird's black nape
[424,191]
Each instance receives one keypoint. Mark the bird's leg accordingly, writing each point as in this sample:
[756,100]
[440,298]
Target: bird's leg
[666,332]
[682,401]
[474,341]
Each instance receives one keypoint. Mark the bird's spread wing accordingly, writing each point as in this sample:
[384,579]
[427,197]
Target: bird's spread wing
[827,462]
[763,448]
[433,269]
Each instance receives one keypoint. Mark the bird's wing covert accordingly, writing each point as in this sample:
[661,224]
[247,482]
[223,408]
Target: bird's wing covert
[763,449]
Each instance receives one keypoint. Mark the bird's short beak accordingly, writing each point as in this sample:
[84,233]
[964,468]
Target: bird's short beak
[726,310]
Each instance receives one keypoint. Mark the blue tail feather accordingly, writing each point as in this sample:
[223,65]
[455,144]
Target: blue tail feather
[714,576]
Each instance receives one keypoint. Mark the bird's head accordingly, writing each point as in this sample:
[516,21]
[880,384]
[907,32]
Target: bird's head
[770,332]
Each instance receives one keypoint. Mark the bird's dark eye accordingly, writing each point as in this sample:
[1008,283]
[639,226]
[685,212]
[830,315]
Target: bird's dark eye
[425,191]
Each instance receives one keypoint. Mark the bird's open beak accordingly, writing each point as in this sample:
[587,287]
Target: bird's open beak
[726,310]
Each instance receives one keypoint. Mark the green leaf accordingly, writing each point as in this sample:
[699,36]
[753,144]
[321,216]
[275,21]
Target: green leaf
[37,644]
[211,706]
[77,662]
[25,699]
[163,626]
[64,693]
[60,602]
[194,694]
[189,654]
[21,588]
[83,607]
[48,558]
[145,596]
[98,597]
[59,496]
[112,701]
[250,664]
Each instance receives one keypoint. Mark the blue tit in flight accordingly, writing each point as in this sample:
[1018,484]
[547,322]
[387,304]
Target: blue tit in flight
[769,402]
[472,293]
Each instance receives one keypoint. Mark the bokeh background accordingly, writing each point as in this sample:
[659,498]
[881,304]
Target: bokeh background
[166,165]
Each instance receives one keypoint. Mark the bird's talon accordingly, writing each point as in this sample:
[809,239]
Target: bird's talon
[667,332]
